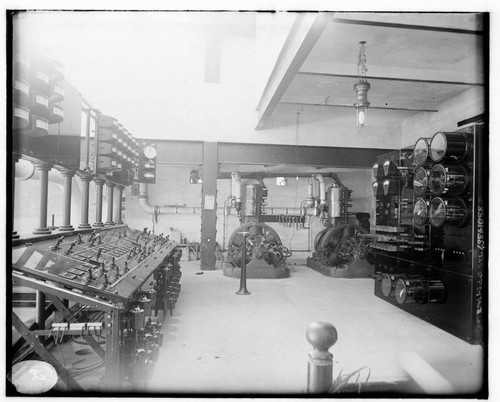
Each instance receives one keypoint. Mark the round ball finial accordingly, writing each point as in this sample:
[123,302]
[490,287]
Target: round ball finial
[321,335]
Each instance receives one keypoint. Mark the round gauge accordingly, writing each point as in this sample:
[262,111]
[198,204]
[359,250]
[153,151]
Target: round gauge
[437,180]
[401,291]
[452,179]
[451,210]
[149,152]
[421,151]
[449,146]
[420,181]
[438,146]
[437,212]
[420,213]
[410,290]
[387,285]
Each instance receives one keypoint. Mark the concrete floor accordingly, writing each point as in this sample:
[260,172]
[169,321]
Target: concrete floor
[219,342]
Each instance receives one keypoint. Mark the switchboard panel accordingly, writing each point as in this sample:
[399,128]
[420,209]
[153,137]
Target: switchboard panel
[430,249]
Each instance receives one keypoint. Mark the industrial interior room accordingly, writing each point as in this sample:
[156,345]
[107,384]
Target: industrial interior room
[247,204]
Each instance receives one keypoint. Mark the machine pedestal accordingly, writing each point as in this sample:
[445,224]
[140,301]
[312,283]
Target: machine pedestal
[358,269]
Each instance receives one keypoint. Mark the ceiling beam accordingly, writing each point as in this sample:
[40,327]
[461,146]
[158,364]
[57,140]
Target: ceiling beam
[302,37]
[352,106]
[354,76]
[277,154]
[406,26]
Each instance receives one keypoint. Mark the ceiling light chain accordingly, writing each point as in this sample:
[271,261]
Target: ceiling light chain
[362,69]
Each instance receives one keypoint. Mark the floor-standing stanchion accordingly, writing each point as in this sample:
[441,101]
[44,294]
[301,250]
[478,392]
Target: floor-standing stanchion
[243,277]
[321,335]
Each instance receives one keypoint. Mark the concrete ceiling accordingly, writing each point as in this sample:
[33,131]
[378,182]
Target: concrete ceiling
[415,62]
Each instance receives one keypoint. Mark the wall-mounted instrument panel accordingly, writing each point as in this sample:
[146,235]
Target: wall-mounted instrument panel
[111,288]
[430,249]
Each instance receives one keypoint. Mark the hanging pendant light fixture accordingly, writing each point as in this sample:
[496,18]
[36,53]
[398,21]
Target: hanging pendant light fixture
[361,88]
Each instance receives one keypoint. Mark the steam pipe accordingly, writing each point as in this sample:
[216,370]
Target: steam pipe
[310,188]
[322,193]
[236,186]
[163,209]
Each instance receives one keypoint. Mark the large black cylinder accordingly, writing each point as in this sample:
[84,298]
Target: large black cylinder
[448,147]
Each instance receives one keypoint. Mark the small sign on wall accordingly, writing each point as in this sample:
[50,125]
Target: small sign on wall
[209,201]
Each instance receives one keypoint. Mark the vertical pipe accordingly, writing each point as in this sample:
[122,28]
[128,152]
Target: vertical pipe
[111,187]
[112,378]
[98,202]
[118,205]
[209,206]
[243,276]
[44,169]
[40,309]
[66,223]
[85,179]
[15,158]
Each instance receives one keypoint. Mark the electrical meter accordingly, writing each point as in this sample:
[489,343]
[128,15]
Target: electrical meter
[377,189]
[450,179]
[390,169]
[410,291]
[420,181]
[377,171]
[387,285]
[448,146]
[420,213]
[452,210]
[421,151]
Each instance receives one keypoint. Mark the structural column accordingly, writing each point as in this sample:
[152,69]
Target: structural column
[118,205]
[44,169]
[111,187]
[98,202]
[67,179]
[209,205]
[85,178]
[15,158]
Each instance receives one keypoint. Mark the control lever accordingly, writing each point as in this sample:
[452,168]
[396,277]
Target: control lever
[70,249]
[98,254]
[58,243]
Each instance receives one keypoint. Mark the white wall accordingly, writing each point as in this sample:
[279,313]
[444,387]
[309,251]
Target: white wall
[461,107]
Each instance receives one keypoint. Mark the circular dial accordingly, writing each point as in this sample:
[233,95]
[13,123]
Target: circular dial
[452,179]
[438,147]
[437,180]
[420,212]
[420,181]
[421,151]
[451,210]
[401,291]
[410,290]
[437,212]
[149,152]
[387,285]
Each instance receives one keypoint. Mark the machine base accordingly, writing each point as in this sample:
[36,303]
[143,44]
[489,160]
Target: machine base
[358,269]
[257,271]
